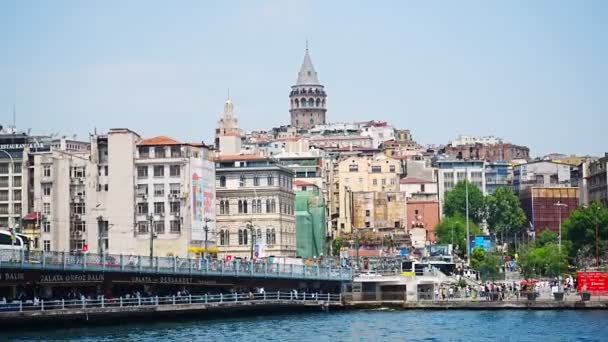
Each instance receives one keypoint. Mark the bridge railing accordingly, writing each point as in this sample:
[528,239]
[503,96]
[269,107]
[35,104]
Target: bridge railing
[229,299]
[20,259]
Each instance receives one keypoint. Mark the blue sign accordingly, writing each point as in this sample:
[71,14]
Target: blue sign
[404,251]
[482,241]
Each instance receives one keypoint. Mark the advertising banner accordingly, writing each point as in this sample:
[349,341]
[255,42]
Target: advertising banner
[594,282]
[203,198]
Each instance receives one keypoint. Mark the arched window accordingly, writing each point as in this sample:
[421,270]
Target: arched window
[273,206]
[222,208]
[245,207]
[312,121]
[240,207]
[259,206]
[222,181]
[297,103]
[303,102]
[240,236]
[259,236]
[318,103]
[268,205]
[323,103]
[227,207]
[310,90]
[270,180]
[245,233]
[273,236]
[311,102]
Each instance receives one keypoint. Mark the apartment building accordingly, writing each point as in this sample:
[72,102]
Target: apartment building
[541,173]
[452,171]
[596,180]
[255,207]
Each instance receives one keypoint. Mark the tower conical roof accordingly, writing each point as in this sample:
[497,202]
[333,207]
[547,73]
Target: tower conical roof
[307,74]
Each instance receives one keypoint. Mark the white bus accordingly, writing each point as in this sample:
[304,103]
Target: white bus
[9,248]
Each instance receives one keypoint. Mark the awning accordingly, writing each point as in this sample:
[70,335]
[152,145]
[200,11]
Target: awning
[35,216]
[202,250]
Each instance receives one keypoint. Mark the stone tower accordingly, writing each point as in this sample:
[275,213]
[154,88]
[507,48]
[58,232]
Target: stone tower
[228,135]
[307,97]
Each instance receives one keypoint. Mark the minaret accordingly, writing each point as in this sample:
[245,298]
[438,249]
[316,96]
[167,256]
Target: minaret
[307,97]
[228,134]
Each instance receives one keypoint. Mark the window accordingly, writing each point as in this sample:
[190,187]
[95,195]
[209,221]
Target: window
[224,237]
[270,180]
[142,189]
[374,182]
[46,190]
[245,207]
[416,213]
[367,213]
[46,208]
[174,189]
[46,171]
[383,181]
[47,245]
[142,208]
[256,180]
[144,152]
[4,168]
[159,227]
[159,207]
[159,190]
[174,208]
[422,189]
[243,237]
[46,226]
[175,226]
[17,181]
[78,171]
[242,181]
[142,227]
[105,170]
[159,152]
[159,171]
[376,169]
[353,168]
[174,170]
[240,207]
[142,172]
[397,224]
[222,181]
[176,152]
[392,181]
[391,168]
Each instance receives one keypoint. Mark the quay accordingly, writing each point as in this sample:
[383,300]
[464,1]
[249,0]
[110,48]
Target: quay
[479,305]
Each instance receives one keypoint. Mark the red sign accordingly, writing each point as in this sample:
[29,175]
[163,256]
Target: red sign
[85,248]
[228,257]
[595,282]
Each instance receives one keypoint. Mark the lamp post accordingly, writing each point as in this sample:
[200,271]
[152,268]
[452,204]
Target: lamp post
[250,228]
[559,206]
[206,228]
[151,228]
[466,192]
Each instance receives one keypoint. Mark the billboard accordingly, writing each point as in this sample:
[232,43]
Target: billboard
[483,241]
[594,282]
[203,198]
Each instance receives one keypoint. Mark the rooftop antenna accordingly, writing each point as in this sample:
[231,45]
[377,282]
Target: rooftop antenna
[14,117]
[306,43]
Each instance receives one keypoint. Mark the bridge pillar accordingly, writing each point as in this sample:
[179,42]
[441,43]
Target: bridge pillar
[65,260]
[174,264]
[139,262]
[157,265]
[122,264]
[43,259]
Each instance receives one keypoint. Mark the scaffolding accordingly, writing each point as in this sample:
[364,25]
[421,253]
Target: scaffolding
[310,224]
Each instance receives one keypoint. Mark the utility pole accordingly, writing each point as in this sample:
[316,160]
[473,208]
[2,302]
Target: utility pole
[250,226]
[559,206]
[206,228]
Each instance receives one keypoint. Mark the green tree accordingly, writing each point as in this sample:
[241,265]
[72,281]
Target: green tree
[587,228]
[455,229]
[336,245]
[487,264]
[455,202]
[477,256]
[546,260]
[546,237]
[505,216]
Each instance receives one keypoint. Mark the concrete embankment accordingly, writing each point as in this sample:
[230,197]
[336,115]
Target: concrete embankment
[480,305]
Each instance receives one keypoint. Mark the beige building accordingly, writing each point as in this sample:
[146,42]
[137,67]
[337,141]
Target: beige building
[255,206]
[377,173]
[103,199]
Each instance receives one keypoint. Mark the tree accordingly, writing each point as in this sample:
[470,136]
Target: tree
[487,264]
[336,246]
[455,229]
[505,216]
[546,237]
[546,260]
[455,202]
[587,227]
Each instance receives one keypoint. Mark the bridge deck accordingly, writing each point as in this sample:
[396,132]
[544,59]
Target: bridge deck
[62,261]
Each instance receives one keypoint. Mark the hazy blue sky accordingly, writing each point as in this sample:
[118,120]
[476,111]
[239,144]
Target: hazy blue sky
[533,72]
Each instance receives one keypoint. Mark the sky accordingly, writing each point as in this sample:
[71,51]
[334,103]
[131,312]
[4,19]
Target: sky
[532,72]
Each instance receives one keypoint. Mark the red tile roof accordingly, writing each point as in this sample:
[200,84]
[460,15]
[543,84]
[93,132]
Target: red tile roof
[159,141]
[414,180]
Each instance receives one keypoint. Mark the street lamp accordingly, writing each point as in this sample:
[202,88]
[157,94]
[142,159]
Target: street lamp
[206,228]
[151,228]
[250,227]
[559,206]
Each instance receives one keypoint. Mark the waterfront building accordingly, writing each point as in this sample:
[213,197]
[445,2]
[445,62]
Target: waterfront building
[422,204]
[307,97]
[542,211]
[452,171]
[255,207]
[105,198]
